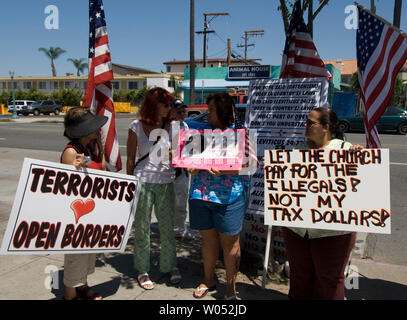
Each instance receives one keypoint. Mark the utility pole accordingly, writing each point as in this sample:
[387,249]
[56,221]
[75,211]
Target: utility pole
[248,34]
[206,31]
[397,13]
[192,53]
[372,6]
[229,53]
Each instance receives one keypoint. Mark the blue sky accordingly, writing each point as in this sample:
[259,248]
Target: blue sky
[147,33]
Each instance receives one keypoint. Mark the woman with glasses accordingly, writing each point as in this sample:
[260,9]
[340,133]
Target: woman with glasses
[318,258]
[145,161]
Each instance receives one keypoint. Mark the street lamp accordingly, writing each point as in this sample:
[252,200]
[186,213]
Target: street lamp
[14,116]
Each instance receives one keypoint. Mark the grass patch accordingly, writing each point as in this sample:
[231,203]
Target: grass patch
[5,120]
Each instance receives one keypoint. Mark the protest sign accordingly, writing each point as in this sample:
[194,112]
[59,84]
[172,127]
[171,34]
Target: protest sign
[331,189]
[278,108]
[58,209]
[206,149]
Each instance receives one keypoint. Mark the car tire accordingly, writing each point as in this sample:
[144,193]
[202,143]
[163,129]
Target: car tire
[402,128]
[56,111]
[343,126]
[36,112]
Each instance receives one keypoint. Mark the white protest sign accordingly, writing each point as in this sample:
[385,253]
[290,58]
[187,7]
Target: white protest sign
[278,108]
[282,105]
[328,189]
[58,209]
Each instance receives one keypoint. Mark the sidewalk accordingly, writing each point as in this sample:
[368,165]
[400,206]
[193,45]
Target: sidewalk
[26,276]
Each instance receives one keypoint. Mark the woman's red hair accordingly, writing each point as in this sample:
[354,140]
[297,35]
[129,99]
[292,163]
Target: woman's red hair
[149,107]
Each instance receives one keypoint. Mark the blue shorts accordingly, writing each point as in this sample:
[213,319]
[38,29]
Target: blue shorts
[225,218]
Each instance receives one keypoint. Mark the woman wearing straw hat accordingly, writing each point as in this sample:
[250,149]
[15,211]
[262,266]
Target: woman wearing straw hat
[81,128]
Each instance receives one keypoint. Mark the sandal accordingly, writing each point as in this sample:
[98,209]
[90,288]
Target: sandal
[146,283]
[233,297]
[86,293]
[175,276]
[205,290]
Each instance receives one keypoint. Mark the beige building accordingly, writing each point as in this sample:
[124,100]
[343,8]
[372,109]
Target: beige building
[125,77]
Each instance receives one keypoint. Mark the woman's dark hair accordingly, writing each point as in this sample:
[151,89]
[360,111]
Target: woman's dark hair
[148,112]
[328,117]
[224,107]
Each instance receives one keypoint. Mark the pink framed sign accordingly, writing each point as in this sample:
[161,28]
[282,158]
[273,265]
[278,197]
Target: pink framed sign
[206,149]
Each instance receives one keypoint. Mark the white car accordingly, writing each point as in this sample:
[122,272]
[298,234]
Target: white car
[21,105]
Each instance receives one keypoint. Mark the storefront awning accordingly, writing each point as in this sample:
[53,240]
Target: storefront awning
[214,84]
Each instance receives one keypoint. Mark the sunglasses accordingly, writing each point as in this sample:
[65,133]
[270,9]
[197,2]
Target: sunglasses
[310,123]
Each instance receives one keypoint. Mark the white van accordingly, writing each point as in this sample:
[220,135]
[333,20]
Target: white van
[21,105]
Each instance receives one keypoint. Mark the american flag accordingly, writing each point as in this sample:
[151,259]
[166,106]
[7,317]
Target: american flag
[250,147]
[300,57]
[381,52]
[98,93]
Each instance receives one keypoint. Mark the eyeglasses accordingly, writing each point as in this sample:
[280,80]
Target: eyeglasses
[310,123]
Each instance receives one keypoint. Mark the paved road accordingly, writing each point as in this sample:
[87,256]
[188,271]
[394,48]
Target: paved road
[389,248]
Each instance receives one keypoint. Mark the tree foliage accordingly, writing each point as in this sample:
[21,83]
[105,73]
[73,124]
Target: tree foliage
[52,53]
[286,7]
[79,64]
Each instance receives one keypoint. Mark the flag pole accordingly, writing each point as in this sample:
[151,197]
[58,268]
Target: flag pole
[266,258]
[382,20]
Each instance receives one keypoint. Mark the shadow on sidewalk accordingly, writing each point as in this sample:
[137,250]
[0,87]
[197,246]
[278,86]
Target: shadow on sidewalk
[191,268]
[375,289]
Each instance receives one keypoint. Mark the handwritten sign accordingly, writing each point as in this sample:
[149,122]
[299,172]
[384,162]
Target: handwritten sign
[58,209]
[206,149]
[328,189]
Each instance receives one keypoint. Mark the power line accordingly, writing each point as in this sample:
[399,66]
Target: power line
[206,31]
[247,34]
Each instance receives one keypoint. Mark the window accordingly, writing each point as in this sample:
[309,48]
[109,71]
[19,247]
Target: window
[116,85]
[171,83]
[392,111]
[133,85]
[26,85]
[68,84]
[168,68]
[42,85]
[4,85]
[55,85]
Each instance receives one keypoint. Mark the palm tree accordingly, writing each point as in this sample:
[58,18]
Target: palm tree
[79,65]
[52,53]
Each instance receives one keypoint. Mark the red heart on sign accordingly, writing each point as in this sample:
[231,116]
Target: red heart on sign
[81,208]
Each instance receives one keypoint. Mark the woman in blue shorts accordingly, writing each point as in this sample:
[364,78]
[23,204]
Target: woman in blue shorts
[217,204]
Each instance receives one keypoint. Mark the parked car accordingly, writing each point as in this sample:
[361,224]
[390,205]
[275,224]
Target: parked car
[200,121]
[393,118]
[43,106]
[194,110]
[20,105]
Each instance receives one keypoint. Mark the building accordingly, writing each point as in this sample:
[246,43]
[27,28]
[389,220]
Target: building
[347,68]
[177,67]
[211,80]
[125,78]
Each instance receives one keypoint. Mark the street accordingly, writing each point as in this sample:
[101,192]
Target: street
[48,136]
